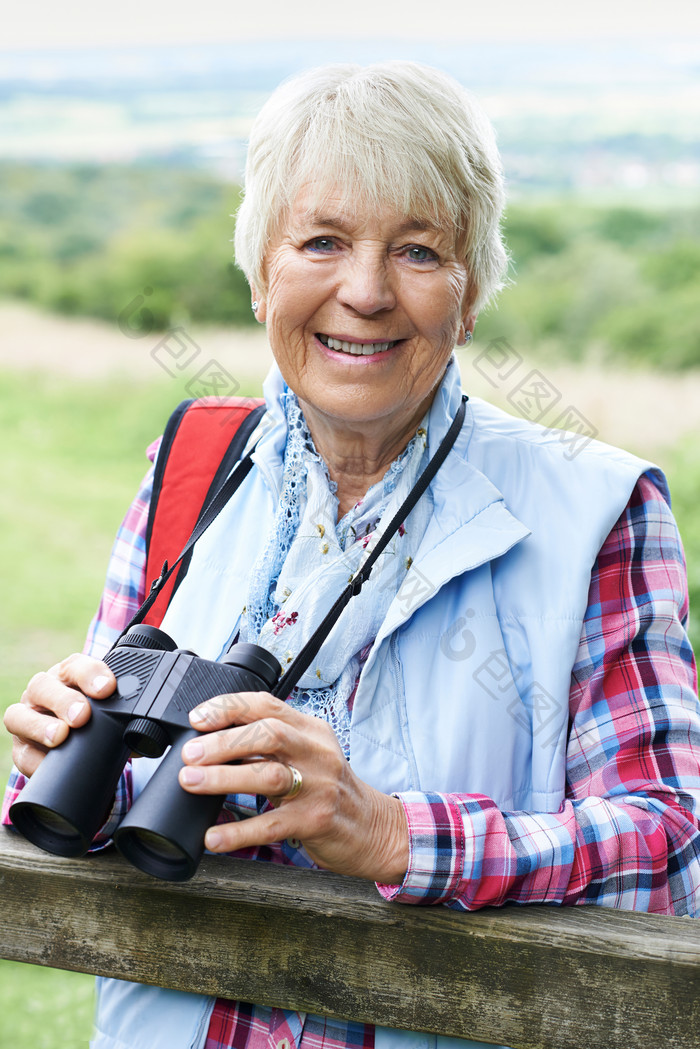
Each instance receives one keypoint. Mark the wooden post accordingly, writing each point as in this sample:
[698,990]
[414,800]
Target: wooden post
[527,977]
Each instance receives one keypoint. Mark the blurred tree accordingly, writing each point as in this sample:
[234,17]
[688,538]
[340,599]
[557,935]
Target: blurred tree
[620,281]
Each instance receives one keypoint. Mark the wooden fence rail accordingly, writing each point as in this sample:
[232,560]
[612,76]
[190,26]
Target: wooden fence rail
[529,977]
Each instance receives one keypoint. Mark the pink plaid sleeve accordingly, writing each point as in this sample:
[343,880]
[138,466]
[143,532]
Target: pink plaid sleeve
[125,585]
[628,834]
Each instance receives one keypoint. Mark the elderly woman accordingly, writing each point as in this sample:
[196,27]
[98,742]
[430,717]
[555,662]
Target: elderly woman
[370,236]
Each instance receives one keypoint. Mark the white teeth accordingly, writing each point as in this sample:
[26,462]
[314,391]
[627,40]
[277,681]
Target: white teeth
[357,349]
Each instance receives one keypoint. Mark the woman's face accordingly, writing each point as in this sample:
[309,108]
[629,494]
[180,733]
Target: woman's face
[363,308]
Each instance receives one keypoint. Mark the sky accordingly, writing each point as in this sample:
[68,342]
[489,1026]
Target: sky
[76,23]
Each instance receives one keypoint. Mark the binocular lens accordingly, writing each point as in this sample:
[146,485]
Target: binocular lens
[156,855]
[50,831]
[67,800]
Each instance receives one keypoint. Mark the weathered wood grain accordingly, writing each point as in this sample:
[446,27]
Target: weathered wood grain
[531,978]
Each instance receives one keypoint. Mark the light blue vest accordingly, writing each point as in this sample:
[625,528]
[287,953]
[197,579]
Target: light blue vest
[466,688]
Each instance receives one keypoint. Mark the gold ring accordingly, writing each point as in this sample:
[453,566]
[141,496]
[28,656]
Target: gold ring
[297,783]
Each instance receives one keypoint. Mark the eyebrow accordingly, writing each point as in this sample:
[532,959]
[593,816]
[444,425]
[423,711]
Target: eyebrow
[341,220]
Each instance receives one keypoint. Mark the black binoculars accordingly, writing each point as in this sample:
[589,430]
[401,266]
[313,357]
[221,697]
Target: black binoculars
[70,795]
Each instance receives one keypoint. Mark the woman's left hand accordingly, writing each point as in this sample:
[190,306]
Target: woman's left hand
[345,825]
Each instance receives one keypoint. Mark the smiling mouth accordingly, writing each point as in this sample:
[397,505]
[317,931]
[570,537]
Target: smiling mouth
[356,349]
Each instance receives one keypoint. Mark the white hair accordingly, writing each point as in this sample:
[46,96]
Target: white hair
[395,132]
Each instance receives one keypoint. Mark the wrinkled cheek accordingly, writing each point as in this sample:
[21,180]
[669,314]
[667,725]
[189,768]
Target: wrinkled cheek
[461,295]
[290,352]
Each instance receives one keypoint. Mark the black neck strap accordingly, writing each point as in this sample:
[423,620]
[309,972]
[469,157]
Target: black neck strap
[208,515]
[312,647]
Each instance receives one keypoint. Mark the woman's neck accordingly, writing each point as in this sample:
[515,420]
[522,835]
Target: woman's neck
[356,456]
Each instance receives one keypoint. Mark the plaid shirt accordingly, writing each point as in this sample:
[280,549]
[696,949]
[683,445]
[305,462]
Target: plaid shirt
[628,834]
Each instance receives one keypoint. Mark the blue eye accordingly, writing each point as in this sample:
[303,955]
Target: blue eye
[321,244]
[419,253]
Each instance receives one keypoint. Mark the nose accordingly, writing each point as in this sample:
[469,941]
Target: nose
[366,284]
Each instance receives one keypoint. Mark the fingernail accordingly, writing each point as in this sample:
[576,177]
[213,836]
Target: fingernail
[212,839]
[99,682]
[191,776]
[198,714]
[50,733]
[193,750]
[75,710]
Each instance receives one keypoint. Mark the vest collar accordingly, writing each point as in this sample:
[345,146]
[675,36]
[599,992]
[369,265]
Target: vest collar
[463,532]
[478,525]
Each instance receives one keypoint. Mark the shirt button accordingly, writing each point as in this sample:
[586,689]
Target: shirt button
[294,843]
[283,1043]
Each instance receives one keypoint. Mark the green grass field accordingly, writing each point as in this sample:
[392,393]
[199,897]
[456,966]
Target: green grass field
[44,1008]
[74,454]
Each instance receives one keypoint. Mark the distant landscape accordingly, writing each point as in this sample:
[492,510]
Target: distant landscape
[573,117]
[120,170]
[620,281]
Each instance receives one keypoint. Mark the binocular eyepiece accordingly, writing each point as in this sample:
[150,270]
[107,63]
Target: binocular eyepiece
[69,797]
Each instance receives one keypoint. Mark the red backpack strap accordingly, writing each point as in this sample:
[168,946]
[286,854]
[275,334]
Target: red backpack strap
[202,442]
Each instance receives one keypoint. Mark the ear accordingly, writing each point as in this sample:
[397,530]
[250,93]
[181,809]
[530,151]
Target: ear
[258,305]
[467,326]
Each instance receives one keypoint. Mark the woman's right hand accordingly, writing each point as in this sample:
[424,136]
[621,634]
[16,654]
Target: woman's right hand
[52,704]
